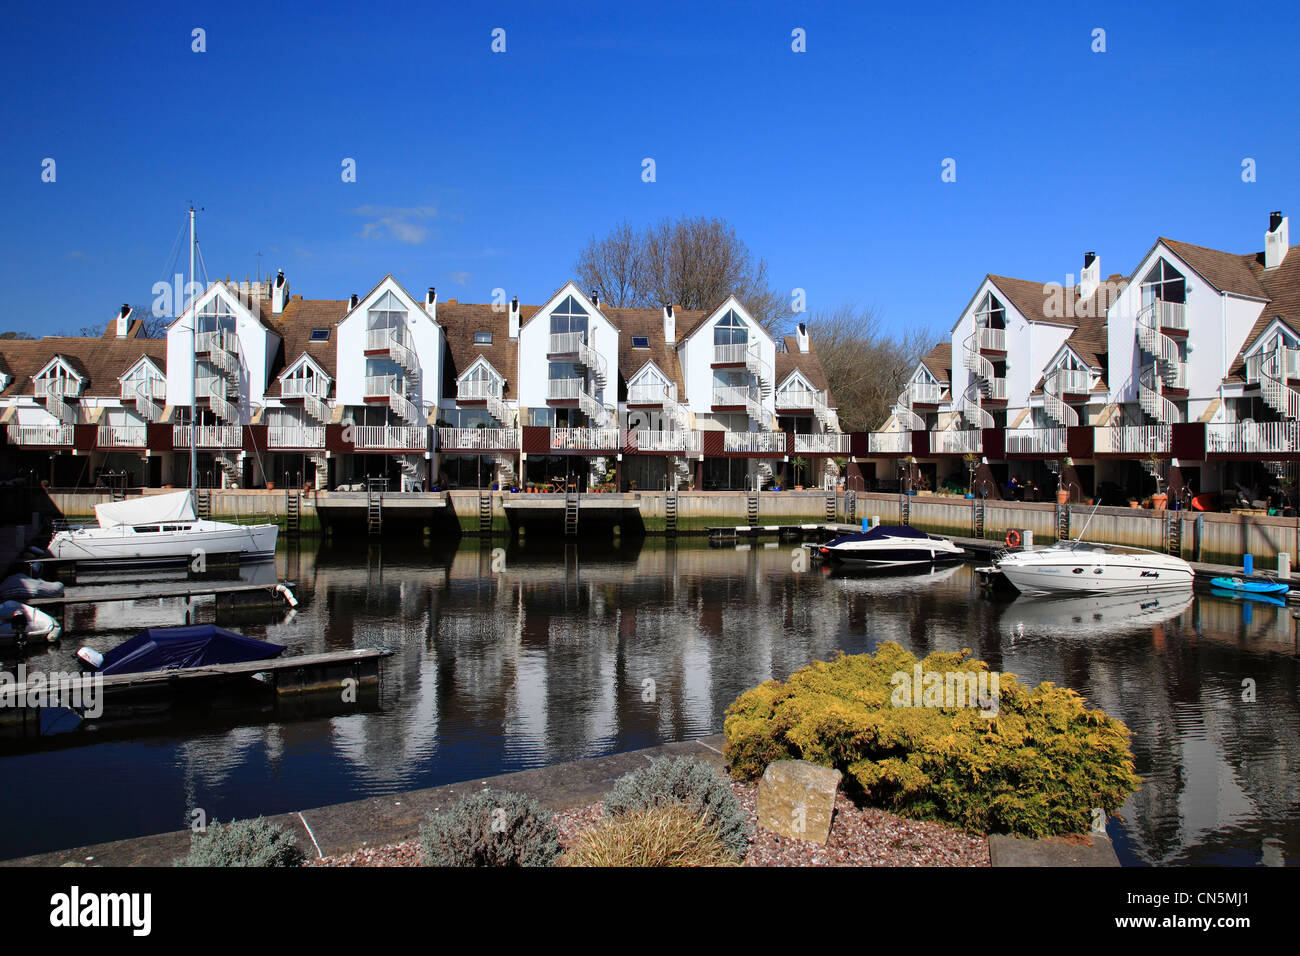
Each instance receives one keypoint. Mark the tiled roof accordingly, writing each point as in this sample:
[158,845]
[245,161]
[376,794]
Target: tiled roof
[461,320]
[808,363]
[294,326]
[1226,271]
[100,360]
[939,362]
[650,324]
[1281,286]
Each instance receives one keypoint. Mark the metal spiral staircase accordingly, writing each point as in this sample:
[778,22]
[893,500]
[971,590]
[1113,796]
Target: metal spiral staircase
[1166,370]
[1054,405]
[982,371]
[1277,394]
[52,392]
[971,408]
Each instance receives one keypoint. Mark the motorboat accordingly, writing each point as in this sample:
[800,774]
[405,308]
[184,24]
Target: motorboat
[1083,567]
[174,648]
[157,528]
[891,546]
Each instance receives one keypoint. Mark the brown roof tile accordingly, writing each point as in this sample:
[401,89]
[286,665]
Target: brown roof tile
[100,360]
[461,320]
[808,363]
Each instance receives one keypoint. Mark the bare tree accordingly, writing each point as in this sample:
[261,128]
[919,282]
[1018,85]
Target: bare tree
[693,263]
[865,364]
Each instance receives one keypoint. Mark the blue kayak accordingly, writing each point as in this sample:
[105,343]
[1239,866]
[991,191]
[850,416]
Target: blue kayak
[1248,596]
[1250,587]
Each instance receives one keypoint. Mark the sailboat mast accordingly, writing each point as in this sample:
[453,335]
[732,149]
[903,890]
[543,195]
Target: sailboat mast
[194,345]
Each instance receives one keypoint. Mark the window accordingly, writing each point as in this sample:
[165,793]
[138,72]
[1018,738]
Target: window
[216,316]
[568,317]
[992,314]
[1165,283]
[320,335]
[730,330]
[640,342]
[482,338]
[387,313]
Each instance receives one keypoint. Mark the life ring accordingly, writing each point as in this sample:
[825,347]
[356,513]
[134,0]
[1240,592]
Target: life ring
[1013,538]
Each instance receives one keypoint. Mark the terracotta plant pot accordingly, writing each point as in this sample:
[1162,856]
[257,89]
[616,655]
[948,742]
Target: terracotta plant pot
[270,486]
[1135,504]
[1158,502]
[1062,497]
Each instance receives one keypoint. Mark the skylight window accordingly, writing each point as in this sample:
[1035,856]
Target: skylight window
[320,335]
[640,342]
[482,338]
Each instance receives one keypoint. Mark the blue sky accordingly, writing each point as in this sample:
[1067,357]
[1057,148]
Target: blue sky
[478,170]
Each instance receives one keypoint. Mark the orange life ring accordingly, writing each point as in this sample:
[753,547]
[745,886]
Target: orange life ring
[1013,538]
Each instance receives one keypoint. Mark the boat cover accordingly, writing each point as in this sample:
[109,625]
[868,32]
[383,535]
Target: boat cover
[149,509]
[18,587]
[881,531]
[196,645]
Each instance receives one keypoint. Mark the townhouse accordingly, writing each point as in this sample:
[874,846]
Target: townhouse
[270,388]
[1181,375]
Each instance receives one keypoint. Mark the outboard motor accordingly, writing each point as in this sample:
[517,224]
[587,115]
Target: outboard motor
[90,658]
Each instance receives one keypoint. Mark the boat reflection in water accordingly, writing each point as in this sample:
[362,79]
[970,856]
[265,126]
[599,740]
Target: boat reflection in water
[875,580]
[1093,615]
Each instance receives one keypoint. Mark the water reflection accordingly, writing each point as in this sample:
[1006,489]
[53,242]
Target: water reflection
[584,649]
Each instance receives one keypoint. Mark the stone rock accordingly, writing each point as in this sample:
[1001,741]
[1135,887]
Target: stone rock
[796,799]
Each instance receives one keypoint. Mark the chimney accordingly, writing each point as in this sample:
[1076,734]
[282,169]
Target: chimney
[123,321]
[431,303]
[801,336]
[514,318]
[352,302]
[595,298]
[1090,277]
[279,293]
[670,325]
[1276,241]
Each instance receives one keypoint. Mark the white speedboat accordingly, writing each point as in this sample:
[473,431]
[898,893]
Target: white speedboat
[158,528]
[1078,567]
[891,546]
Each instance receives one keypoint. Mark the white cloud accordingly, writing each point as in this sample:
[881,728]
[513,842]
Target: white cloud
[403,223]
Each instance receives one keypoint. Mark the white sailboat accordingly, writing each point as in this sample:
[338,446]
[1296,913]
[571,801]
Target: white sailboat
[164,528]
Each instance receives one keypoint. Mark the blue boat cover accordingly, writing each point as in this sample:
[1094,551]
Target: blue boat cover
[168,648]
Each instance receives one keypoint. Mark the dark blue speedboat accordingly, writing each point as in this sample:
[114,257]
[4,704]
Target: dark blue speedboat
[891,546]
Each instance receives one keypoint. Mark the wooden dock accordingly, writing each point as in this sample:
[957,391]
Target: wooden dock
[178,590]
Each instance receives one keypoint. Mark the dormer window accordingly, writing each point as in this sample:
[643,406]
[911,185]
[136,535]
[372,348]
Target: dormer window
[482,338]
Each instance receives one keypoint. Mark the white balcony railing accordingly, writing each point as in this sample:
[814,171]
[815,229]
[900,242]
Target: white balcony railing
[1172,315]
[122,436]
[821,444]
[385,339]
[926,393]
[1289,363]
[1252,437]
[302,387]
[1036,441]
[565,389]
[734,354]
[221,340]
[390,437]
[381,386]
[682,442]
[889,443]
[40,434]
[748,397]
[479,389]
[600,439]
[57,387]
[998,389]
[1132,439]
[654,394]
[772,443]
[800,398]
[994,340]
[957,441]
[209,436]
[566,343]
[479,439]
[295,436]
[152,388]
[1073,381]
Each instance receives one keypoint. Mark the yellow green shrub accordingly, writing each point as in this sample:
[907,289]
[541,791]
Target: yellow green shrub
[1037,768]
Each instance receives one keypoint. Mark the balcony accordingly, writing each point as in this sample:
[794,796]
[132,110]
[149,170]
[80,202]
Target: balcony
[152,388]
[1289,362]
[295,436]
[566,343]
[654,394]
[1035,441]
[799,399]
[747,397]
[1173,315]
[889,443]
[823,444]
[734,354]
[997,390]
[764,443]
[1068,381]
[565,389]
[122,436]
[303,387]
[209,436]
[676,442]
[479,390]
[1132,440]
[389,437]
[478,439]
[957,442]
[584,439]
[220,340]
[1175,376]
[993,340]
[1254,438]
[924,393]
[42,435]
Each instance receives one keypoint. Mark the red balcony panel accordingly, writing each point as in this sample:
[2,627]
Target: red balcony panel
[1187,441]
[1078,442]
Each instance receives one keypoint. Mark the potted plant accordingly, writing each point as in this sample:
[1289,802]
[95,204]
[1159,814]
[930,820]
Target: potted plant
[972,464]
[270,486]
[800,466]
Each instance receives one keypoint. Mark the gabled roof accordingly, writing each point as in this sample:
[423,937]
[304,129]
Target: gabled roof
[939,362]
[571,288]
[1226,271]
[294,327]
[99,361]
[460,320]
[806,363]
[648,324]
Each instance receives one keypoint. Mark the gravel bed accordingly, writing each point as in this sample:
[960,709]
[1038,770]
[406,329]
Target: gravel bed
[860,836]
